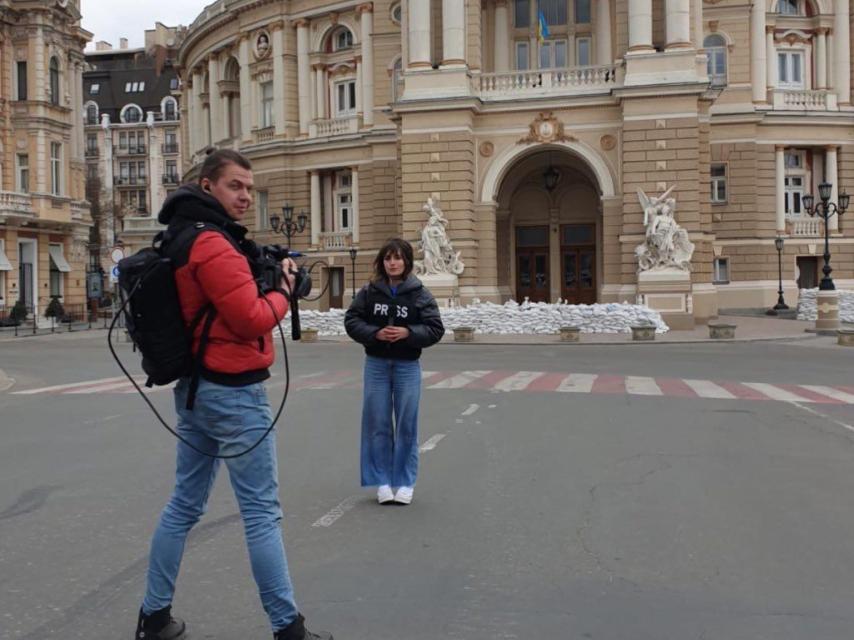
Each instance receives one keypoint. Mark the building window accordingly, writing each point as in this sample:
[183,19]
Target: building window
[721,269]
[790,69]
[716,51]
[94,89]
[718,183]
[397,14]
[788,7]
[553,54]
[343,39]
[56,288]
[795,182]
[22,79]
[522,14]
[266,104]
[172,171]
[262,210]
[56,168]
[174,84]
[91,144]
[134,87]
[22,160]
[345,98]
[131,113]
[554,11]
[343,201]
[582,11]
[92,113]
[54,81]
[169,110]
[583,52]
[5,265]
[91,170]
[522,62]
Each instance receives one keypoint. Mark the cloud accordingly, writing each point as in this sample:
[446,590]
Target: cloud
[107,21]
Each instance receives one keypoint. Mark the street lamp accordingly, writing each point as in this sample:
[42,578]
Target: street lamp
[353,252]
[781,303]
[288,227]
[826,210]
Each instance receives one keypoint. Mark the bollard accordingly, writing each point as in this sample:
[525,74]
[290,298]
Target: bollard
[845,337]
[570,334]
[309,334]
[464,334]
[643,332]
[721,331]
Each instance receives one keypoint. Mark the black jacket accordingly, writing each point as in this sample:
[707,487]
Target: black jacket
[413,307]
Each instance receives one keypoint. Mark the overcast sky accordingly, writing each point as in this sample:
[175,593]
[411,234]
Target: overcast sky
[113,19]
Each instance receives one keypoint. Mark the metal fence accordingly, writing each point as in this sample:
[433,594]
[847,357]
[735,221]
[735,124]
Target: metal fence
[21,320]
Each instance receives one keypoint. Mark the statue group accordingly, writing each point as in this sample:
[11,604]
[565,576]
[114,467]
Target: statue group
[666,245]
[439,256]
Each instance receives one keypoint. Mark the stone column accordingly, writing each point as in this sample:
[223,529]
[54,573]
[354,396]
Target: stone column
[640,25]
[453,32]
[697,10]
[80,133]
[320,92]
[359,72]
[315,208]
[603,33]
[678,24]
[367,24]
[303,75]
[356,217]
[842,53]
[757,52]
[780,187]
[38,67]
[831,172]
[770,58]
[279,120]
[246,113]
[198,113]
[75,92]
[821,59]
[419,34]
[501,42]
[214,99]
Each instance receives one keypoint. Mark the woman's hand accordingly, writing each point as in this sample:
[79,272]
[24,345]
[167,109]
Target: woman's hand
[392,334]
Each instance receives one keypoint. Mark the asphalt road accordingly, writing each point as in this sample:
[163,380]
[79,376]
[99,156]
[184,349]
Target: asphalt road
[623,509]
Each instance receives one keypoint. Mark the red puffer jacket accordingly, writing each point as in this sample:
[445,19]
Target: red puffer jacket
[240,343]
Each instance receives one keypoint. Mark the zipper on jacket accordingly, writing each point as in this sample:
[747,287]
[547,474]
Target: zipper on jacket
[261,344]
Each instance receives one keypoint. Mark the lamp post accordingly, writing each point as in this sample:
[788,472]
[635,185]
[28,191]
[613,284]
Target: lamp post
[781,303]
[353,252]
[287,226]
[827,301]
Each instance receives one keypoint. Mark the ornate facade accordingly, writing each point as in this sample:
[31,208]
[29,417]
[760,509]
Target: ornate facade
[44,216]
[537,137]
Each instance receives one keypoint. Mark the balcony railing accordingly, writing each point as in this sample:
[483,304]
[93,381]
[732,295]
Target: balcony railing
[92,152]
[805,100]
[171,178]
[133,150]
[334,127]
[265,135]
[14,203]
[130,181]
[169,147]
[331,240]
[566,81]
[79,210]
[805,227]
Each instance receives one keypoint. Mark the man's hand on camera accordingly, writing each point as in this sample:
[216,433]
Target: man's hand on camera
[289,268]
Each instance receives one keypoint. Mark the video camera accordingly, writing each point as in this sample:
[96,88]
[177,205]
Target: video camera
[272,274]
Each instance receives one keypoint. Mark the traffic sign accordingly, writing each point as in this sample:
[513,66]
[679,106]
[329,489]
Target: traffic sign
[117,254]
[114,274]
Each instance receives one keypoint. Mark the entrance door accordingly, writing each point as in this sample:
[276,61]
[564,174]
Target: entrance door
[336,288]
[26,274]
[807,272]
[578,263]
[532,263]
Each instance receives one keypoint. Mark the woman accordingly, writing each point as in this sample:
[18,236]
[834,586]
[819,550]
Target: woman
[394,316]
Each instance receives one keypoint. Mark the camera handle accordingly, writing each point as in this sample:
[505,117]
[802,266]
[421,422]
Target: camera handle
[293,300]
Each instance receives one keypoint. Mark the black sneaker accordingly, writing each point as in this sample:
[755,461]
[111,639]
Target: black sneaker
[160,625]
[296,631]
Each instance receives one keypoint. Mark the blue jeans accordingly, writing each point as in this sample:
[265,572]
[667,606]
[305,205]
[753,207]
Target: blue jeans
[390,448]
[226,420]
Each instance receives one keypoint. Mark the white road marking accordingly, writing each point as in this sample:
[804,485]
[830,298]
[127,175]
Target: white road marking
[775,393]
[430,444]
[112,386]
[330,518]
[642,386]
[830,392]
[708,389]
[821,415]
[73,385]
[472,409]
[458,381]
[577,383]
[518,381]
[492,406]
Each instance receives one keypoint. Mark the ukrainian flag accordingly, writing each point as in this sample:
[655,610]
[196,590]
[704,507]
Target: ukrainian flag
[542,28]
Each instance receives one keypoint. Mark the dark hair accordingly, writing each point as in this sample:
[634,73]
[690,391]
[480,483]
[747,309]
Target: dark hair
[217,161]
[399,247]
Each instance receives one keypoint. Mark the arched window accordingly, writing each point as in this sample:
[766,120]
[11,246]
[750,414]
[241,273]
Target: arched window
[131,113]
[397,80]
[54,80]
[342,39]
[92,113]
[232,76]
[788,7]
[716,50]
[169,109]
[397,13]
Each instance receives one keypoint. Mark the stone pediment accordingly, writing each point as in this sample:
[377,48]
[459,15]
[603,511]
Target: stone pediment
[546,128]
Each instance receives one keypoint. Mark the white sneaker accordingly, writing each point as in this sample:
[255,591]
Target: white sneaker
[385,494]
[404,495]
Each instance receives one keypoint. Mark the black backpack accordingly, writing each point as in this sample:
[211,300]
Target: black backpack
[152,309]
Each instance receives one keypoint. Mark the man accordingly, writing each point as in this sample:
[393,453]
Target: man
[231,411]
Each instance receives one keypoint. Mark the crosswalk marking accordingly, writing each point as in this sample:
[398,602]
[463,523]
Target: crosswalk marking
[642,386]
[708,389]
[517,381]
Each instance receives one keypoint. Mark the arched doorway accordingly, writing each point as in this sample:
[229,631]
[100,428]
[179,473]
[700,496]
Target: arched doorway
[549,223]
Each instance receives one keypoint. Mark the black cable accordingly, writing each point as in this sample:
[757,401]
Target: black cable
[160,418]
[325,287]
